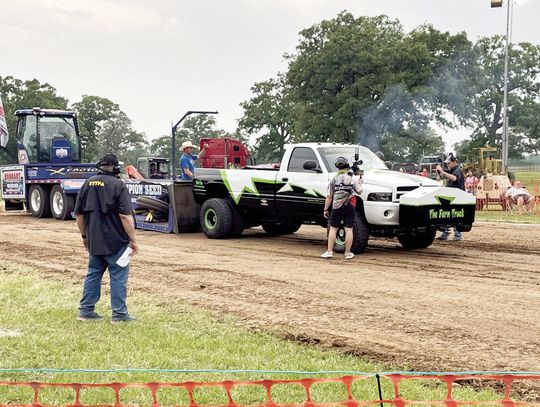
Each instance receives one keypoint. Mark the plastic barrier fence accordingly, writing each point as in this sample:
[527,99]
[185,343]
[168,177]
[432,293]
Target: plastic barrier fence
[387,389]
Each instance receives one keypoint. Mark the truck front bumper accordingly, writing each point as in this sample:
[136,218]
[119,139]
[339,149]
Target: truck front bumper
[437,206]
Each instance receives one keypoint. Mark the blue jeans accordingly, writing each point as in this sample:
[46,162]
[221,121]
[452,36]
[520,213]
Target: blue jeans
[92,284]
[446,232]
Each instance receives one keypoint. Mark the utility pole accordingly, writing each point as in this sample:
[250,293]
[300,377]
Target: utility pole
[505,142]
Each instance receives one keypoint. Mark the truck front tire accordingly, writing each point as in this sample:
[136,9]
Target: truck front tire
[216,218]
[61,204]
[39,201]
[420,241]
[360,236]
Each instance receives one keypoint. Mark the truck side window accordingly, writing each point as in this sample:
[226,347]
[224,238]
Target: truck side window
[299,156]
[29,139]
[143,167]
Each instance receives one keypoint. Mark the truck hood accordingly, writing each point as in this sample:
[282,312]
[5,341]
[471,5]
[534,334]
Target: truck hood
[393,179]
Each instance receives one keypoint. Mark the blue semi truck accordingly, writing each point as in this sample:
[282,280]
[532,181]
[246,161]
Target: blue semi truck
[49,172]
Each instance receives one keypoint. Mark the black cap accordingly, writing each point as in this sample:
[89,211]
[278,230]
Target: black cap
[109,159]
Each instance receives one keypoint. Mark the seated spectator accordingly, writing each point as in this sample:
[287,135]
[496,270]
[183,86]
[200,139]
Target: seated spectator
[470,183]
[154,173]
[519,196]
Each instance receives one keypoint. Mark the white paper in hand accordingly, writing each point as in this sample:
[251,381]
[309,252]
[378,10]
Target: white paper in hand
[125,258]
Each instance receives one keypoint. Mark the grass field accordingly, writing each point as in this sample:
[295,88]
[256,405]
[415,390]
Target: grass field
[38,329]
[530,179]
[502,216]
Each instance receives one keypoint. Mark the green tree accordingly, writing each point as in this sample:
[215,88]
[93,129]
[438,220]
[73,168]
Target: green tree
[104,128]
[18,94]
[161,146]
[270,114]
[193,129]
[357,79]
[485,107]
[410,144]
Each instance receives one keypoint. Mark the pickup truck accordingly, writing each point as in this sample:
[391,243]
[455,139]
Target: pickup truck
[391,204]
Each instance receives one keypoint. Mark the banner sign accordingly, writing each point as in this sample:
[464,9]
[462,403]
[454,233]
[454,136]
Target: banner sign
[12,182]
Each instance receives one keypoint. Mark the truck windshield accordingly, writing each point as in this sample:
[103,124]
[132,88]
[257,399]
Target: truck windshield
[52,127]
[369,160]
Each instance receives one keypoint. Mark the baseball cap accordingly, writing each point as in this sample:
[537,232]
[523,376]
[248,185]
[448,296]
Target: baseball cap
[109,159]
[450,158]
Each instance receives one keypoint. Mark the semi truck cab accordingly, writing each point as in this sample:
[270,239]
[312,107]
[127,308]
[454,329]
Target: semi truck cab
[47,136]
[49,172]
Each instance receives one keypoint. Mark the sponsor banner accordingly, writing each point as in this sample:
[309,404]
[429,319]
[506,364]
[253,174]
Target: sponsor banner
[146,189]
[45,172]
[72,185]
[12,182]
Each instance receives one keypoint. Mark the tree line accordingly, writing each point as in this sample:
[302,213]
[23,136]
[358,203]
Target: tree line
[351,79]
[367,80]
[103,126]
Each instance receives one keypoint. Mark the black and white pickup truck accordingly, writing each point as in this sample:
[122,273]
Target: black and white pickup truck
[392,204]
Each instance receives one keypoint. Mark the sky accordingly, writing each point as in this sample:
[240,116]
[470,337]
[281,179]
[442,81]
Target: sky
[159,58]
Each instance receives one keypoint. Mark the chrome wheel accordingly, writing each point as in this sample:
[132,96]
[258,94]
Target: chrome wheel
[57,203]
[35,200]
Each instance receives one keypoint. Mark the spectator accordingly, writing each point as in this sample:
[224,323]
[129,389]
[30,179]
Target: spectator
[154,174]
[470,183]
[425,173]
[105,220]
[339,206]
[187,161]
[455,180]
[519,196]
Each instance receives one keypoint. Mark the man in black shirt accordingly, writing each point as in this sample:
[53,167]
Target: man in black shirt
[455,180]
[105,220]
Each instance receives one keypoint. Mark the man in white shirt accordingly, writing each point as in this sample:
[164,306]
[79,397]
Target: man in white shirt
[519,196]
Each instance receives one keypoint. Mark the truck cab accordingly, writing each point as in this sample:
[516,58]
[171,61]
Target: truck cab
[47,136]
[225,153]
[49,172]
[153,167]
[391,204]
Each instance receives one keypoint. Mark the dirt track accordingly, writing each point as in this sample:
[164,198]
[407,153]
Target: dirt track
[456,305]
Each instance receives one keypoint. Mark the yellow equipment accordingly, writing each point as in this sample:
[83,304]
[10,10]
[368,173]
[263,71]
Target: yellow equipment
[493,182]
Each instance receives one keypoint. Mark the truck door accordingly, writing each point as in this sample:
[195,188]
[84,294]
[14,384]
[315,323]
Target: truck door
[302,185]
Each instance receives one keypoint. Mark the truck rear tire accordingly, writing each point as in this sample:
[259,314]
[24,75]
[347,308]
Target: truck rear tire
[417,241]
[216,218]
[61,204]
[39,201]
[360,236]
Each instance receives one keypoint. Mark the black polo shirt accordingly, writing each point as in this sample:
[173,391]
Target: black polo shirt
[460,179]
[101,199]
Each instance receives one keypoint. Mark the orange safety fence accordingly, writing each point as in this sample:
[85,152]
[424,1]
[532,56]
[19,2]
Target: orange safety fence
[391,393]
